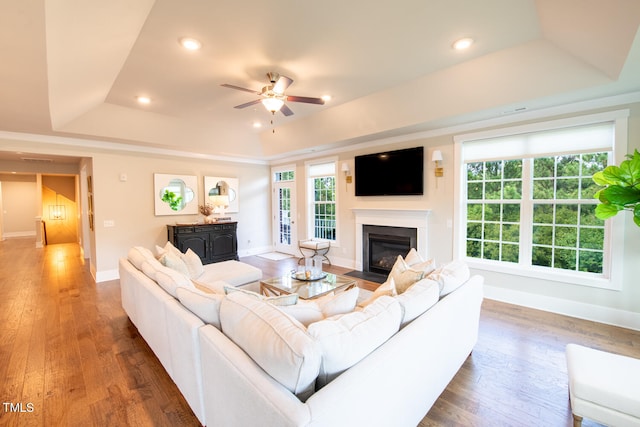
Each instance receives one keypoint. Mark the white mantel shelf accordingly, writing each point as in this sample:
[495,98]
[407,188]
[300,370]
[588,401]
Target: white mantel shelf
[411,218]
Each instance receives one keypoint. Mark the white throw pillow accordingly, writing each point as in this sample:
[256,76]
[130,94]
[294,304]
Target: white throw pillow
[174,262]
[193,263]
[413,257]
[403,275]
[305,312]
[205,306]
[451,276]
[387,288]
[417,299]
[346,339]
[216,287]
[278,343]
[339,303]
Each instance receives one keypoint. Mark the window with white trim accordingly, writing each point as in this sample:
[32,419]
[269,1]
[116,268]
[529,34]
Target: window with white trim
[527,201]
[322,200]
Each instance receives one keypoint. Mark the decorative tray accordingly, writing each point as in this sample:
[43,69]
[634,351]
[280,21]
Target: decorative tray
[300,275]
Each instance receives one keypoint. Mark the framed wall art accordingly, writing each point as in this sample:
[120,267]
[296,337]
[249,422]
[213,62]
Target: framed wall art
[175,194]
[216,187]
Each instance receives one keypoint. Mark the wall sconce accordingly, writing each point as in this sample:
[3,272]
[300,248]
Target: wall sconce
[347,173]
[436,157]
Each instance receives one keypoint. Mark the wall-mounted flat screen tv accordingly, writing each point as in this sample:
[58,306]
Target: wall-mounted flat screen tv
[392,173]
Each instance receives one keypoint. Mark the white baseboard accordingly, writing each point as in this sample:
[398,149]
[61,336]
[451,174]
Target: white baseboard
[18,234]
[580,310]
[254,251]
[107,275]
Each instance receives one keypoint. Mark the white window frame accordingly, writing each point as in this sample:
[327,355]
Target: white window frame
[614,227]
[310,197]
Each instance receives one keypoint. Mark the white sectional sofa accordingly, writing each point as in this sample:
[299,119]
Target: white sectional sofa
[383,364]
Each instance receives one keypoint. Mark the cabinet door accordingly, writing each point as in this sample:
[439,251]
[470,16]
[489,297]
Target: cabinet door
[223,246]
[197,242]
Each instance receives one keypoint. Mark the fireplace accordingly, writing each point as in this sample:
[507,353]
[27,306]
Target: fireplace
[381,246]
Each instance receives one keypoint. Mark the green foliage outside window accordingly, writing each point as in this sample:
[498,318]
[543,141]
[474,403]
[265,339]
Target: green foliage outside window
[564,232]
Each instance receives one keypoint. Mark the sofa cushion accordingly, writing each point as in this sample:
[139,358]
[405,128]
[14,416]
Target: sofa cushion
[417,299]
[451,276]
[170,280]
[233,272]
[204,305]
[275,341]
[387,288]
[138,254]
[346,339]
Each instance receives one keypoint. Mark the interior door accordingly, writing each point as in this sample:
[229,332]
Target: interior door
[284,211]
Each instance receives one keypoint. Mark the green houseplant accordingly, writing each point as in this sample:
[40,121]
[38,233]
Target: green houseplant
[622,188]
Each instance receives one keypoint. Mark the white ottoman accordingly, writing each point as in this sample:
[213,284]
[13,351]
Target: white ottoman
[604,387]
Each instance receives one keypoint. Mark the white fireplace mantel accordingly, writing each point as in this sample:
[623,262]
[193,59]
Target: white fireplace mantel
[411,218]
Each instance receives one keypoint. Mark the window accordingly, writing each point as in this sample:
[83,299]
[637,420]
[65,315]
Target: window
[322,200]
[527,201]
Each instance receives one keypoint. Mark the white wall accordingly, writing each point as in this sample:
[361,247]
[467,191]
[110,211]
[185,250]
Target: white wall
[19,205]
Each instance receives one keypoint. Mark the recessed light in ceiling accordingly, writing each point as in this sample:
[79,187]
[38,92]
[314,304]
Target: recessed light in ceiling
[143,100]
[326,98]
[190,44]
[257,125]
[463,44]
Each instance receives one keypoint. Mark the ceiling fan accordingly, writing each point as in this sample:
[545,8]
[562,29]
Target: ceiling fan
[273,97]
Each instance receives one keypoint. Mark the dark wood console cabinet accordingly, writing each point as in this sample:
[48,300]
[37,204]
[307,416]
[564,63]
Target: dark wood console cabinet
[212,242]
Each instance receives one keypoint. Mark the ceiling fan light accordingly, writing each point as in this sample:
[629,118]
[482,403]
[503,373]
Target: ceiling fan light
[272,104]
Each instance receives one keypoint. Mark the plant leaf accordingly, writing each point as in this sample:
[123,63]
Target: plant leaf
[636,212]
[599,179]
[618,195]
[607,211]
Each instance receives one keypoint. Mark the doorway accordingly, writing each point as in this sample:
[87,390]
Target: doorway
[284,210]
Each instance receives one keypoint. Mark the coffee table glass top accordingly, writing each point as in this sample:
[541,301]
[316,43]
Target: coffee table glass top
[306,289]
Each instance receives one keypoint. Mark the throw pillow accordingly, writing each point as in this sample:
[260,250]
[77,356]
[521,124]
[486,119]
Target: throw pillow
[205,306]
[193,263]
[170,280]
[346,339]
[216,287]
[174,262]
[403,275]
[451,276]
[339,303]
[413,257]
[417,299]
[387,288]
[305,312]
[278,343]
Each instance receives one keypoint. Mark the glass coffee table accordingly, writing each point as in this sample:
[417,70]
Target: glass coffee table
[306,289]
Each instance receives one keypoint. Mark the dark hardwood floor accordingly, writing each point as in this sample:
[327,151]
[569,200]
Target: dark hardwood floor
[70,356]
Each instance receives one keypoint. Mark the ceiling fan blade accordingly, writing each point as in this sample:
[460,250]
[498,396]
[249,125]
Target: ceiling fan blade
[286,110]
[239,88]
[247,104]
[305,99]
[282,84]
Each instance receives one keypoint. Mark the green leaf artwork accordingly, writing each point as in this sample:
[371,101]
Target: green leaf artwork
[622,189]
[175,202]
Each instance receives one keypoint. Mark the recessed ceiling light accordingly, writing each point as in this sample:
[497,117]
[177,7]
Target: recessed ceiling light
[143,100]
[190,44]
[326,98]
[463,43]
[257,125]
